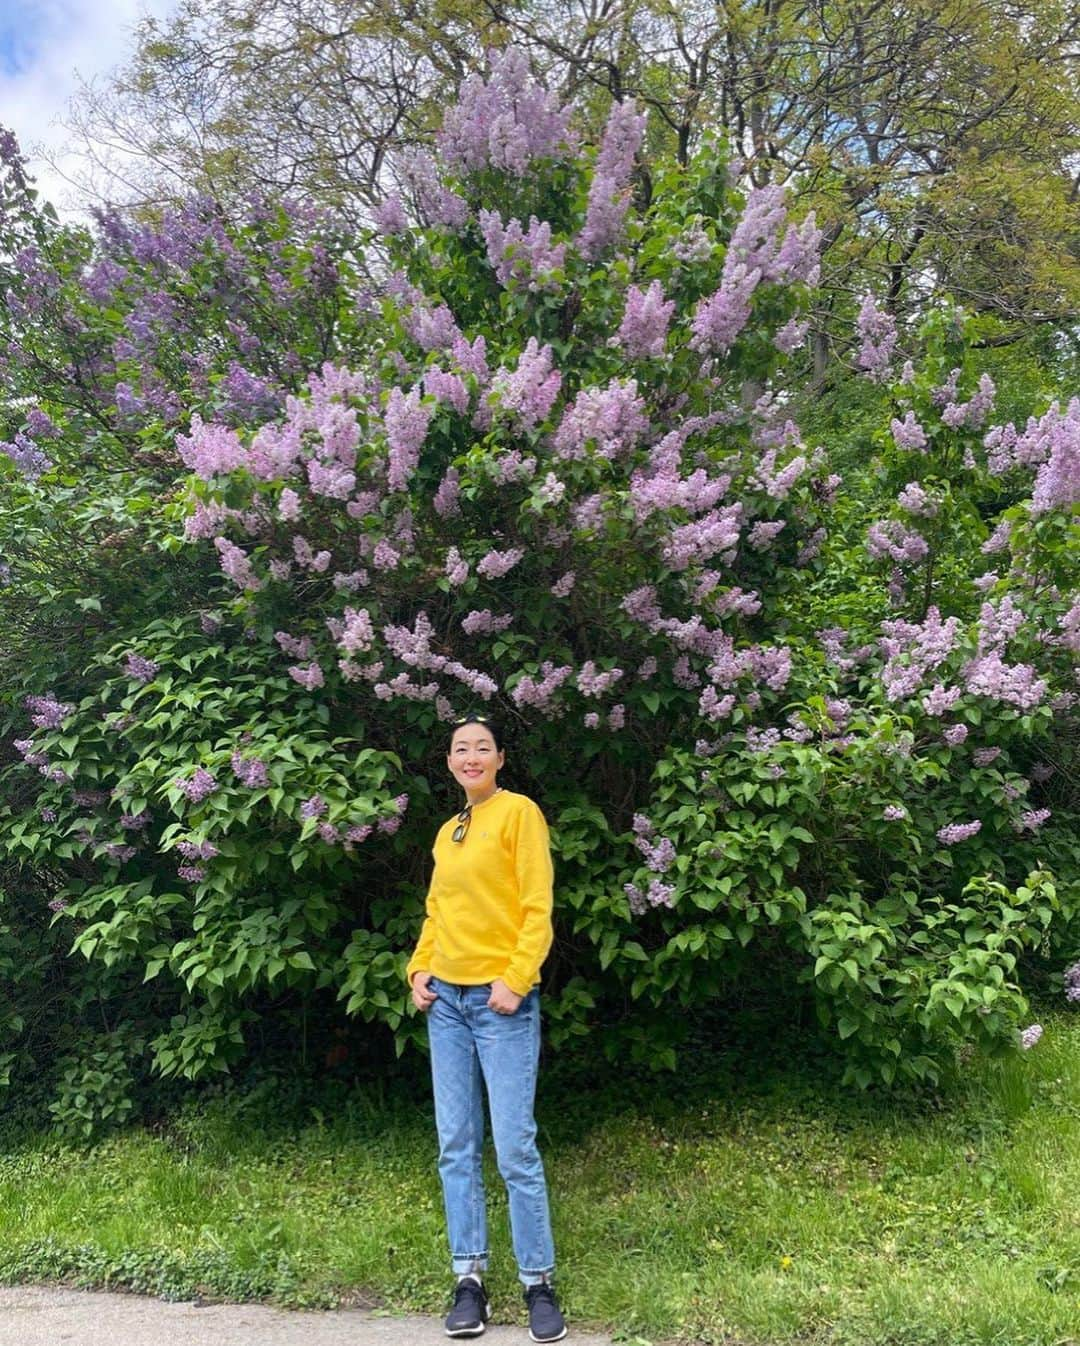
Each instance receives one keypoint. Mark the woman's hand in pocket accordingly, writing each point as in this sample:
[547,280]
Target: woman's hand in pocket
[423,997]
[502,1000]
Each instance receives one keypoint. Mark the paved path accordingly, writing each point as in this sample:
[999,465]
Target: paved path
[32,1315]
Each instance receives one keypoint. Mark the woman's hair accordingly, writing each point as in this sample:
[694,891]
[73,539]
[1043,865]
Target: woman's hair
[490,725]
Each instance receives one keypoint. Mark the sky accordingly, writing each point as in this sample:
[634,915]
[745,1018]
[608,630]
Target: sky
[43,43]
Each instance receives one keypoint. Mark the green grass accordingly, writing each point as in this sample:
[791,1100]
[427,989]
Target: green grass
[725,1205]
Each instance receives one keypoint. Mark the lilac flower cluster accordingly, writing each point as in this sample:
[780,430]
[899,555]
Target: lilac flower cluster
[609,191]
[953,833]
[301,647]
[755,254]
[1032,819]
[940,700]
[1015,684]
[237,565]
[138,668]
[894,539]
[434,201]
[505,123]
[522,257]
[592,682]
[894,813]
[612,418]
[1072,983]
[210,450]
[791,336]
[658,894]
[309,676]
[250,771]
[643,330]
[496,563]
[563,586]
[1030,1036]
[908,434]
[916,500]
[413,647]
[197,786]
[314,807]
[485,622]
[540,693]
[197,850]
[530,391]
[406,420]
[973,413]
[913,649]
[27,457]
[877,332]
[47,712]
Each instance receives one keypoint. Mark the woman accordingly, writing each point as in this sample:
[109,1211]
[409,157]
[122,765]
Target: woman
[474,974]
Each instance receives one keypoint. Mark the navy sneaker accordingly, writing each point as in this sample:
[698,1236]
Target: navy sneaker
[546,1322]
[471,1310]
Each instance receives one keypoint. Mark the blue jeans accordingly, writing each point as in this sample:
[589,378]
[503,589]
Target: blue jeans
[473,1046]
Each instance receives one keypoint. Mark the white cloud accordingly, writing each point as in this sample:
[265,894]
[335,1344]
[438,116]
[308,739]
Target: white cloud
[44,46]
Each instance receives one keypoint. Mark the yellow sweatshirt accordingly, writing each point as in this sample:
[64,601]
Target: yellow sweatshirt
[489,904]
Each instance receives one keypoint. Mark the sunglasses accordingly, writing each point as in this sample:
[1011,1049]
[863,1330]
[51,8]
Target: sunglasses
[463,819]
[469,719]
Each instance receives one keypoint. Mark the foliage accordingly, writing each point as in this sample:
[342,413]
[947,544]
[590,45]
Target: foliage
[785,731]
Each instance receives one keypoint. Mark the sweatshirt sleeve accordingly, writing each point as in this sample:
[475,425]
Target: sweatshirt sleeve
[535,880]
[425,945]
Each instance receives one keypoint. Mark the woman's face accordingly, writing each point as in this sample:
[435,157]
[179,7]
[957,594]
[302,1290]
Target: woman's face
[474,760]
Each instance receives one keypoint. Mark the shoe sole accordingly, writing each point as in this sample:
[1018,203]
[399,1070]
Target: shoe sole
[544,1340]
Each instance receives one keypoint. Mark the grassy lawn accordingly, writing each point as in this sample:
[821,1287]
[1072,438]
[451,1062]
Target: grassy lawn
[721,1206]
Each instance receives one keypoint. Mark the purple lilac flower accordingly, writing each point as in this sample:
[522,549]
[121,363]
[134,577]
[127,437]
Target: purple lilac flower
[485,622]
[1033,819]
[591,720]
[506,123]
[406,420]
[908,433]
[894,813]
[250,771]
[612,418]
[791,336]
[609,194]
[592,682]
[301,647]
[197,850]
[48,713]
[893,539]
[522,257]
[1015,684]
[57,904]
[314,807]
[496,564]
[435,202]
[616,718]
[26,456]
[643,330]
[1030,1036]
[755,253]
[210,449]
[48,815]
[530,391]
[39,425]
[200,784]
[138,668]
[563,586]
[191,873]
[940,699]
[358,833]
[388,826]
[540,693]
[237,565]
[309,676]
[118,852]
[446,497]
[1072,983]
[389,216]
[660,894]
[954,833]
[135,822]
[878,335]
[955,735]
[916,500]
[984,756]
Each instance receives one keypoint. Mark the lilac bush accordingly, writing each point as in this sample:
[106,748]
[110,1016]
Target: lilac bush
[549,463]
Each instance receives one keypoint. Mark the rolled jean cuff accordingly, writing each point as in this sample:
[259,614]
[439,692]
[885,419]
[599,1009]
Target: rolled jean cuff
[462,1266]
[528,1278]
